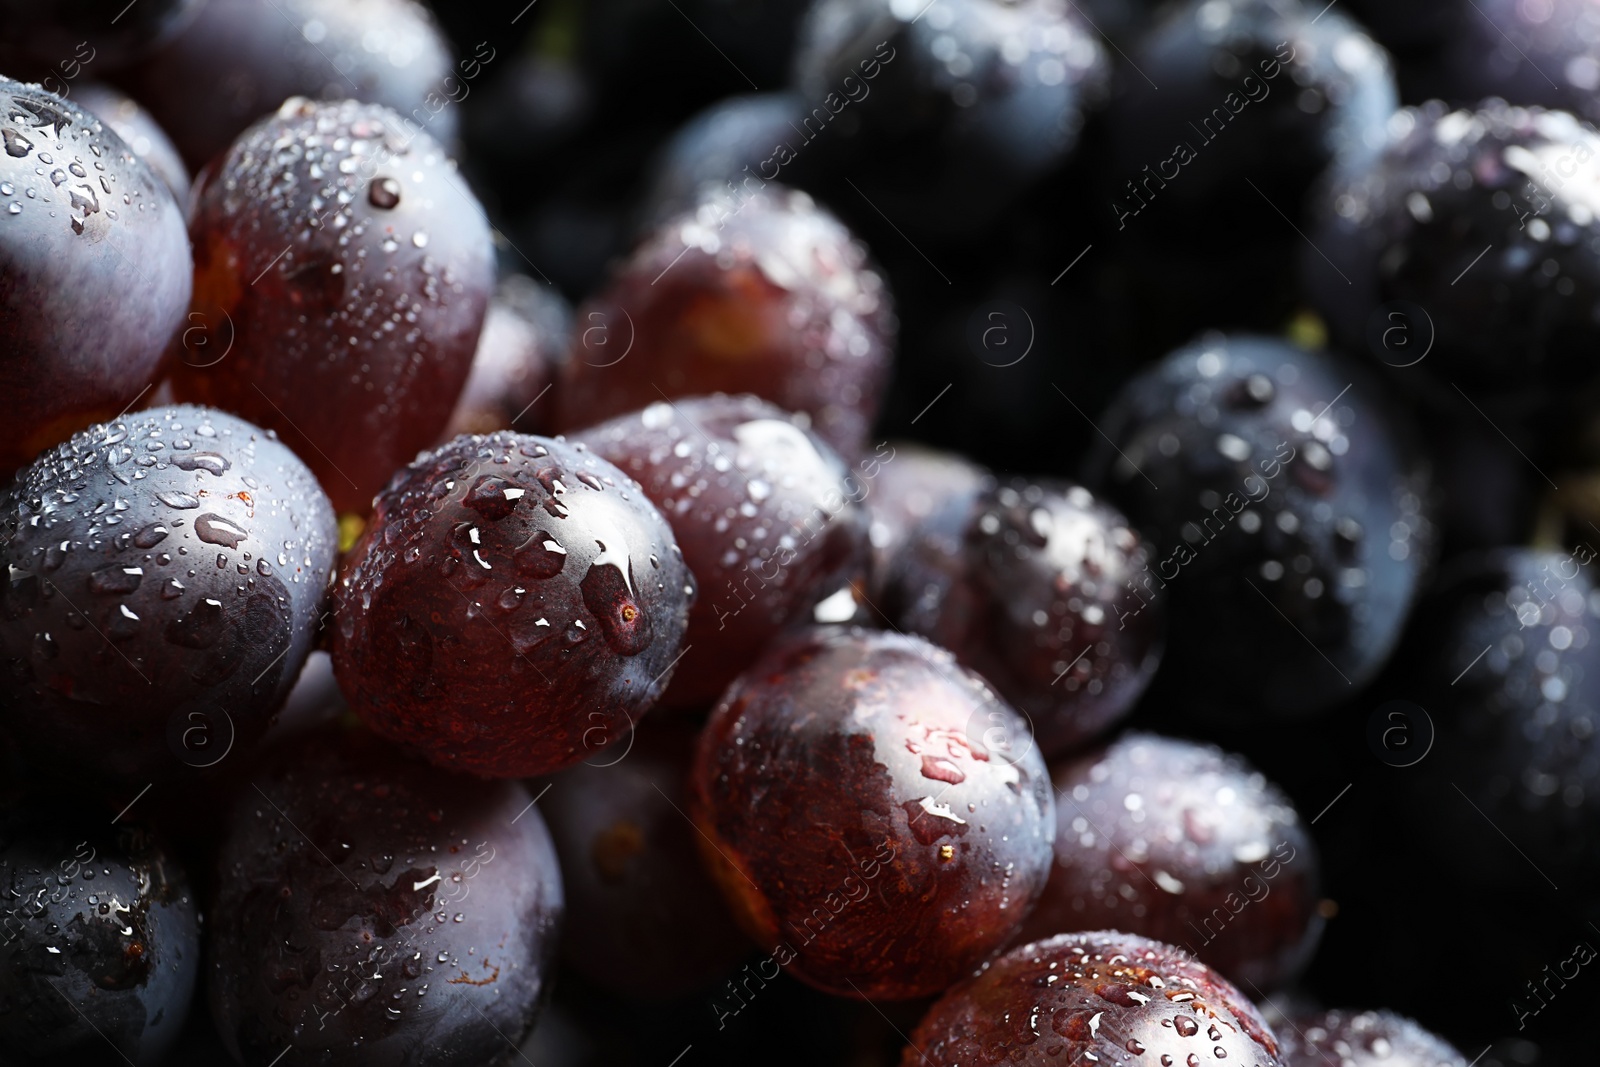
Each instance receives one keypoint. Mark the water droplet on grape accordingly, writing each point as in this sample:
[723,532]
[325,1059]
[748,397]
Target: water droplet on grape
[216,530]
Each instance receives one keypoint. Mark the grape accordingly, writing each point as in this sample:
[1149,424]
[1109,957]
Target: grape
[348,271]
[94,272]
[515,604]
[375,911]
[167,573]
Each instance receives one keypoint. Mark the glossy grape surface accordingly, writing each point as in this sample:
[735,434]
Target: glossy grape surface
[375,911]
[1102,997]
[167,576]
[252,55]
[1176,841]
[876,816]
[767,515]
[515,604]
[342,274]
[1036,587]
[94,272]
[99,941]
[761,292]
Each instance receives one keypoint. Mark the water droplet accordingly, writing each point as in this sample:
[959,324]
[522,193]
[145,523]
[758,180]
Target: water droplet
[151,535]
[216,530]
[419,239]
[541,557]
[210,462]
[941,769]
[930,820]
[115,580]
[1186,1026]
[384,193]
[493,498]
[181,501]
[16,144]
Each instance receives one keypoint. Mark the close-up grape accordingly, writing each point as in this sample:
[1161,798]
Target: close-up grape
[348,272]
[96,271]
[820,533]
[100,937]
[167,575]
[515,605]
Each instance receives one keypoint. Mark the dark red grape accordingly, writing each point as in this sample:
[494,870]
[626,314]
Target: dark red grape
[1105,997]
[139,131]
[1176,841]
[525,337]
[166,575]
[375,911]
[643,917]
[1292,523]
[865,812]
[1043,592]
[53,42]
[1363,1039]
[99,941]
[920,483]
[515,604]
[766,294]
[94,272]
[349,270]
[251,55]
[765,512]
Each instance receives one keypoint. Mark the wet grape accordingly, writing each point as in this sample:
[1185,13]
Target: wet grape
[376,911]
[1039,588]
[99,940]
[1363,1039]
[254,54]
[874,813]
[342,274]
[1175,841]
[762,293]
[95,267]
[766,514]
[514,606]
[1293,519]
[167,574]
[1103,997]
